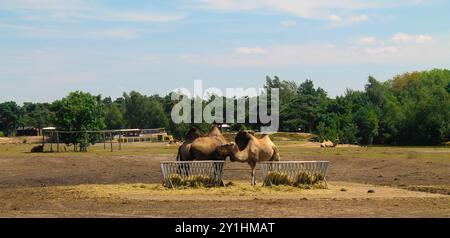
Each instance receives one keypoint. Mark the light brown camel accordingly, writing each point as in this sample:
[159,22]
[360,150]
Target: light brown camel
[248,148]
[328,143]
[202,147]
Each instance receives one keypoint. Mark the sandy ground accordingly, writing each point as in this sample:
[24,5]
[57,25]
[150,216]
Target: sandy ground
[407,182]
[342,199]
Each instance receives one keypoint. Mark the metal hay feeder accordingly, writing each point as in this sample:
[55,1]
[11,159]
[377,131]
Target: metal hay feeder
[192,173]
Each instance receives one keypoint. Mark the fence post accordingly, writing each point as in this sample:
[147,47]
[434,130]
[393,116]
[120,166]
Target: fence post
[120,140]
[110,140]
[51,142]
[43,141]
[57,142]
[85,141]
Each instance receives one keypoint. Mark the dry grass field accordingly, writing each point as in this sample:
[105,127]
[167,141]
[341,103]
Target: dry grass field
[404,182]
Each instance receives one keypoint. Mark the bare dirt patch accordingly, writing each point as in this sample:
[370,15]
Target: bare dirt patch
[241,200]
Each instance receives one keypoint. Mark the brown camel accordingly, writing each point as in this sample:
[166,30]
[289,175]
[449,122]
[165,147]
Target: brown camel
[183,150]
[202,147]
[248,148]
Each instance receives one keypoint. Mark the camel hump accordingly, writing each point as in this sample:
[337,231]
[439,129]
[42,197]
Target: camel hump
[193,134]
[215,131]
[242,139]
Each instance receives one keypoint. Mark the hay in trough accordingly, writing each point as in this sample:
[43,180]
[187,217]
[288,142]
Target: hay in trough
[177,180]
[305,180]
[301,180]
[277,178]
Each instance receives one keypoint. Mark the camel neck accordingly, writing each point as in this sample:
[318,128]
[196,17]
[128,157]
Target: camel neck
[241,156]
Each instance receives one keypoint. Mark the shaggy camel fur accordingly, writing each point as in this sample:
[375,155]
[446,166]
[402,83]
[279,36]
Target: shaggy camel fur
[199,147]
[248,148]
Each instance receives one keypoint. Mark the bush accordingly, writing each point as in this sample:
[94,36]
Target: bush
[2,134]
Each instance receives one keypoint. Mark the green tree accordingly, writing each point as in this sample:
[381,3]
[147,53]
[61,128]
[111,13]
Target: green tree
[387,108]
[143,112]
[305,109]
[37,115]
[367,122]
[79,111]
[114,116]
[425,105]
[10,117]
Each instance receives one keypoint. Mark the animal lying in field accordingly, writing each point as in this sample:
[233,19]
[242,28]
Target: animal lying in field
[247,148]
[201,147]
[328,143]
[37,149]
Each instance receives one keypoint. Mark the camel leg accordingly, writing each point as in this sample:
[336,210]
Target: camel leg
[253,166]
[253,177]
[179,154]
[276,155]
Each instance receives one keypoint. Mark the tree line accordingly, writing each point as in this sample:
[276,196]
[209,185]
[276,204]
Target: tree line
[409,109]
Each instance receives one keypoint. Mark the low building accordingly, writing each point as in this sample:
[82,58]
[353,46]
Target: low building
[28,131]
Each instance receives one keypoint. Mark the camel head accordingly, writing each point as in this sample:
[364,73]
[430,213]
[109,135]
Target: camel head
[336,142]
[227,149]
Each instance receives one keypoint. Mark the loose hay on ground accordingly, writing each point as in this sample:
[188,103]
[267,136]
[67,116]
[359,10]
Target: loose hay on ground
[239,191]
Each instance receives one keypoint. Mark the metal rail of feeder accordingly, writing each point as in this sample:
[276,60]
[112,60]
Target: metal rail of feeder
[188,169]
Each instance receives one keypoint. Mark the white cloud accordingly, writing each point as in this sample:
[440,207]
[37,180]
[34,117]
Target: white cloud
[52,32]
[422,39]
[317,9]
[381,50]
[403,38]
[356,19]
[140,17]
[115,16]
[23,28]
[337,21]
[368,40]
[288,24]
[250,51]
[334,18]
[315,54]
[125,34]
[41,4]
[75,10]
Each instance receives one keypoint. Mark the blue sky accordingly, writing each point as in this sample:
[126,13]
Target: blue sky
[51,47]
